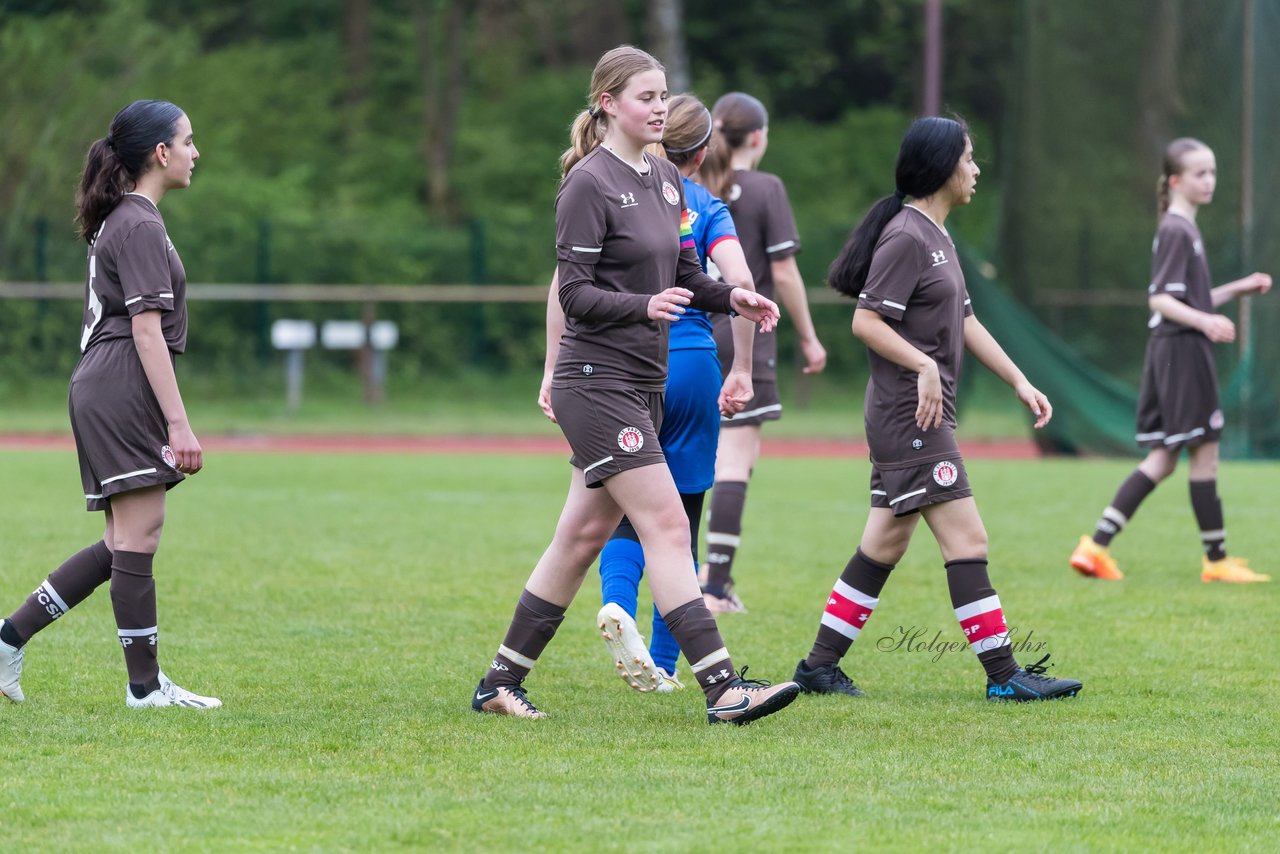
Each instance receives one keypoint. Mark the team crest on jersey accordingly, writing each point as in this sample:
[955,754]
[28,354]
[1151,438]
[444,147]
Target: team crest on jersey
[1216,420]
[166,454]
[630,440]
[946,473]
[670,194]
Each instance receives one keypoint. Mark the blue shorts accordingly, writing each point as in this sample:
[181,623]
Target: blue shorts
[691,419]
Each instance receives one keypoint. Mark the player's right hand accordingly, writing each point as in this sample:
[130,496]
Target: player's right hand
[187,453]
[929,387]
[544,398]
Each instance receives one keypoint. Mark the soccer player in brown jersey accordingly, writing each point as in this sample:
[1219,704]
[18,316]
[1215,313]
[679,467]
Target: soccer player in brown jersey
[129,422]
[913,314]
[767,231]
[627,267]
[1178,403]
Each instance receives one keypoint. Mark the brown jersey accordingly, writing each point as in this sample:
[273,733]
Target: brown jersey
[916,284]
[618,242]
[133,268]
[767,231]
[1180,269]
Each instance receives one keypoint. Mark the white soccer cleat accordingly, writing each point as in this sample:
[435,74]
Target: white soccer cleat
[670,682]
[627,648]
[170,694]
[11,672]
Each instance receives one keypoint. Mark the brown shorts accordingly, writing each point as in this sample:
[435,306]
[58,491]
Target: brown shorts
[610,428]
[1178,402]
[765,406]
[121,435]
[906,490]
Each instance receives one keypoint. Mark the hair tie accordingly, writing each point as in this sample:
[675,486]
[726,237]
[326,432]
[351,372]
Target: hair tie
[111,142]
[592,110]
[899,195]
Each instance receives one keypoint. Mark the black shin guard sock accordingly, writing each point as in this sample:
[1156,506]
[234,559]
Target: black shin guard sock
[1208,509]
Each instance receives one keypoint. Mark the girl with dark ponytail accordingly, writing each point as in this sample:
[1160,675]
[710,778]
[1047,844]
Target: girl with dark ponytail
[1178,403]
[915,318]
[128,418]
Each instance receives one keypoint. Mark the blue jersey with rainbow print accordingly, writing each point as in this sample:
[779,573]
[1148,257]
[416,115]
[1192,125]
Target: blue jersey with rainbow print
[708,223]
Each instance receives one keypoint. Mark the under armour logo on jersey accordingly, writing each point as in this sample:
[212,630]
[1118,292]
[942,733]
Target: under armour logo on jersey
[939,257]
[629,200]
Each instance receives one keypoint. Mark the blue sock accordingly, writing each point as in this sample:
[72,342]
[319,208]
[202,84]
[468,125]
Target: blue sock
[662,644]
[663,648]
[621,566]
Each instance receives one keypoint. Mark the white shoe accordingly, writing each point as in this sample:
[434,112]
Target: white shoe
[670,682]
[627,648]
[11,672]
[170,694]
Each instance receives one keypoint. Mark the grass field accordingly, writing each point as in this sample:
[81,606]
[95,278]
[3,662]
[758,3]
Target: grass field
[344,607]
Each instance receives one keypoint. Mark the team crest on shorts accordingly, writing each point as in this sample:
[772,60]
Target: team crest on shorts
[630,440]
[1216,420]
[669,193]
[946,473]
[166,454]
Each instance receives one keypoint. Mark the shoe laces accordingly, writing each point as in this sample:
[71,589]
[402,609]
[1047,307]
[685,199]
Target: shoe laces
[518,691]
[744,682]
[840,679]
[1038,670]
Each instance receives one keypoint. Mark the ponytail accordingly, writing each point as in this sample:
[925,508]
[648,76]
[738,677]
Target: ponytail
[930,152]
[1162,195]
[584,137]
[716,171]
[848,273]
[115,163]
[102,186]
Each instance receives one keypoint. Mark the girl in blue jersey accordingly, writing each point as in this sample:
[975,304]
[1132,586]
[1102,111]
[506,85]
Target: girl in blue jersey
[694,401]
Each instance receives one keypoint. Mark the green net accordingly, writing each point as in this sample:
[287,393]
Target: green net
[1100,90]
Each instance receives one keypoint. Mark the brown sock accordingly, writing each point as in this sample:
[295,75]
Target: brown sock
[532,628]
[133,598]
[981,617]
[724,530]
[694,629]
[1136,487]
[66,587]
[1208,510]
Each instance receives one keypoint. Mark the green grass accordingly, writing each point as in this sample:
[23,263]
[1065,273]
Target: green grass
[825,407]
[343,607]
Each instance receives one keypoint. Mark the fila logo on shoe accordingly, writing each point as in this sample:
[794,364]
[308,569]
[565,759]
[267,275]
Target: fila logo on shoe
[629,200]
[1000,691]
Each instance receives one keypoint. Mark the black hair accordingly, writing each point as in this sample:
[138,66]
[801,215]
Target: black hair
[116,162]
[927,158]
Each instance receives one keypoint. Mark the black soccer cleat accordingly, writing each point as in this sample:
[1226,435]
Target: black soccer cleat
[827,679]
[1030,683]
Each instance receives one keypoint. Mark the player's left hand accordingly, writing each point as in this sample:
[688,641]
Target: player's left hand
[759,310]
[736,392]
[1261,282]
[1032,398]
[544,398]
[815,355]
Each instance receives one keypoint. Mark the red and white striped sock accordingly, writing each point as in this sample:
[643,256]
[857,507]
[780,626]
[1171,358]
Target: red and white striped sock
[981,618]
[854,597]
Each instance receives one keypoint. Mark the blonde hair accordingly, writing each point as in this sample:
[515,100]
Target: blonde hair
[1174,152]
[612,73]
[687,131]
[735,117]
